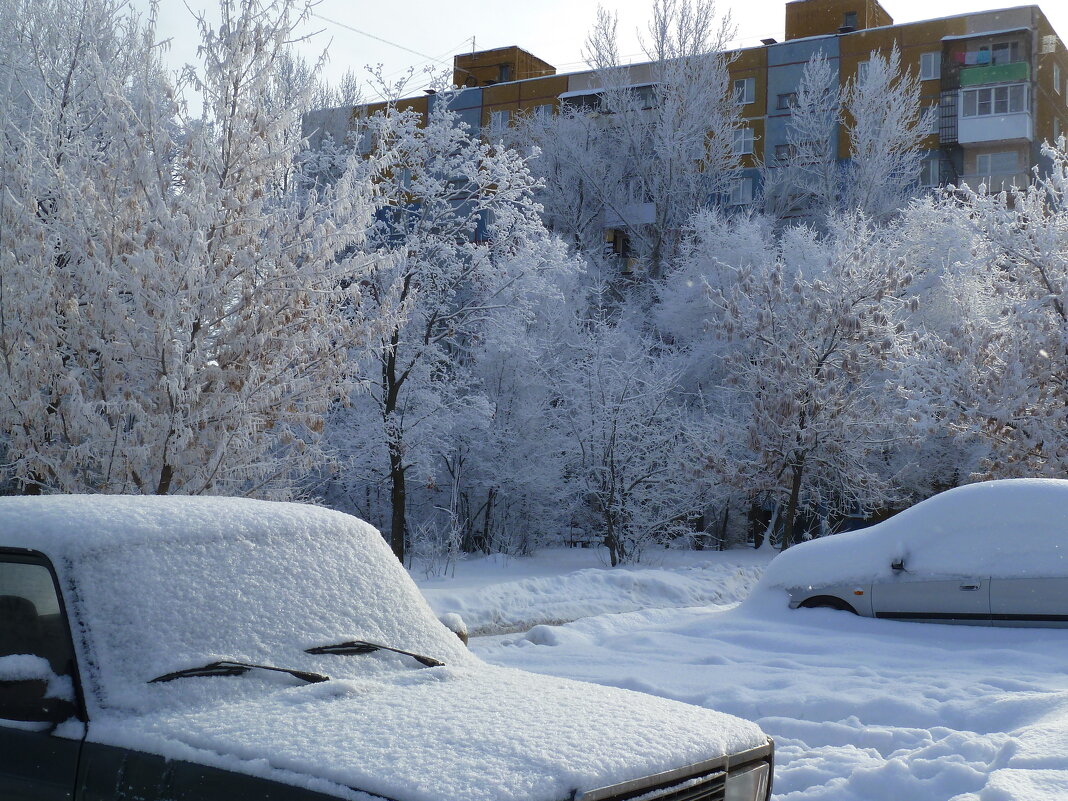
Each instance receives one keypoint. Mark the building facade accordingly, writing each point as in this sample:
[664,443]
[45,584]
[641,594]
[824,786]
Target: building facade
[998,81]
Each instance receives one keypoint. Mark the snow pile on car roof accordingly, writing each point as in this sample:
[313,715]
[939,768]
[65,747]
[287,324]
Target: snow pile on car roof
[1009,528]
[162,584]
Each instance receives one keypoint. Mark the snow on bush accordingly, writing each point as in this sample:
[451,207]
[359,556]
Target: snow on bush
[1008,528]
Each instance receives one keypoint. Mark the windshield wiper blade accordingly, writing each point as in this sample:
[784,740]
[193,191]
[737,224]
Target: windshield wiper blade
[228,668]
[364,647]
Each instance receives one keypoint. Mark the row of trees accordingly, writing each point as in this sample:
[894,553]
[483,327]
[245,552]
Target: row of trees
[429,336]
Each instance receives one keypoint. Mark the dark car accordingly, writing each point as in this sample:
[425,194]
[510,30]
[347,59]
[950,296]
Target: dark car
[178,648]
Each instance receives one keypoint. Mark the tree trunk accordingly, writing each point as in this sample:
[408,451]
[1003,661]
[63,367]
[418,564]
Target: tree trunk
[166,476]
[757,524]
[391,383]
[797,470]
[487,521]
[397,501]
[721,545]
[611,541]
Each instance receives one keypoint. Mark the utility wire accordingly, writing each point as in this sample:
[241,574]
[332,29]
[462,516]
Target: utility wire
[378,39]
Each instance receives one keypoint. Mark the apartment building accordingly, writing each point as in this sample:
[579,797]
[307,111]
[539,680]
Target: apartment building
[998,79]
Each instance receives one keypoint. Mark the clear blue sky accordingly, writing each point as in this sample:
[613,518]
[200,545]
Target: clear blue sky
[551,29]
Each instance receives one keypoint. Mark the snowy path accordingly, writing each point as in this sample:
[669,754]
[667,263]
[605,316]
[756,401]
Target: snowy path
[861,710]
[496,595]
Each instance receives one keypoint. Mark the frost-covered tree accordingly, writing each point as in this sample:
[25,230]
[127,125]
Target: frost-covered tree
[811,325]
[885,124]
[634,480]
[807,181]
[171,321]
[1001,370]
[657,144]
[572,154]
[457,239]
[518,481]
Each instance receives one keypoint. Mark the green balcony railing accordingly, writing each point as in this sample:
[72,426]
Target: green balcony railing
[995,73]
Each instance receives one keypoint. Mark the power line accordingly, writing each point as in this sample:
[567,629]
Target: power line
[423,56]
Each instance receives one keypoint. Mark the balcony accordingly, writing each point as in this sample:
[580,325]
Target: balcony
[998,113]
[997,128]
[630,214]
[995,73]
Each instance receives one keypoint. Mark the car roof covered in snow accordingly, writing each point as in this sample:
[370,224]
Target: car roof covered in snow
[69,525]
[1008,528]
[162,584]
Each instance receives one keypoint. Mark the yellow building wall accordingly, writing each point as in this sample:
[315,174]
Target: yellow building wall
[541,91]
[824,17]
[757,124]
[1051,101]
[751,63]
[502,97]
[912,40]
[484,68]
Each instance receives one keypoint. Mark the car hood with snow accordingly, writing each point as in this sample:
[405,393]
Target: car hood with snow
[484,733]
[157,586]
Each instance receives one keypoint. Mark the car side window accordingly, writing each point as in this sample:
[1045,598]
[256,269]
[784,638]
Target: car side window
[36,657]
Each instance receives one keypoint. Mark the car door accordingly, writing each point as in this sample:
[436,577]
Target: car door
[121,774]
[933,599]
[1029,602]
[41,724]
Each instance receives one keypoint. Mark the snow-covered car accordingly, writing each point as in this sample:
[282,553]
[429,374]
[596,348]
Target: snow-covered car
[181,648]
[991,553]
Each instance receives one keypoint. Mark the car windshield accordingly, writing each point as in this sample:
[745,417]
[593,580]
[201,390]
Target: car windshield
[255,589]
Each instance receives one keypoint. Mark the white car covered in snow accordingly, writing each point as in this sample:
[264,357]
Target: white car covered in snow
[992,553]
[181,648]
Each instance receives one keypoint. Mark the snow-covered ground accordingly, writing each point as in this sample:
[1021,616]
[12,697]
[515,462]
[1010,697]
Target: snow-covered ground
[861,709]
[500,594]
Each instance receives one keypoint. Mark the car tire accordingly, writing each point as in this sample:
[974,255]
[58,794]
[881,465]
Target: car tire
[827,602]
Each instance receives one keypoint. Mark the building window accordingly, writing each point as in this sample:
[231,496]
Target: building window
[741,192]
[785,152]
[1005,53]
[989,164]
[849,19]
[1057,77]
[862,72]
[543,112]
[929,173]
[787,101]
[744,91]
[930,66]
[499,121]
[743,141]
[990,100]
